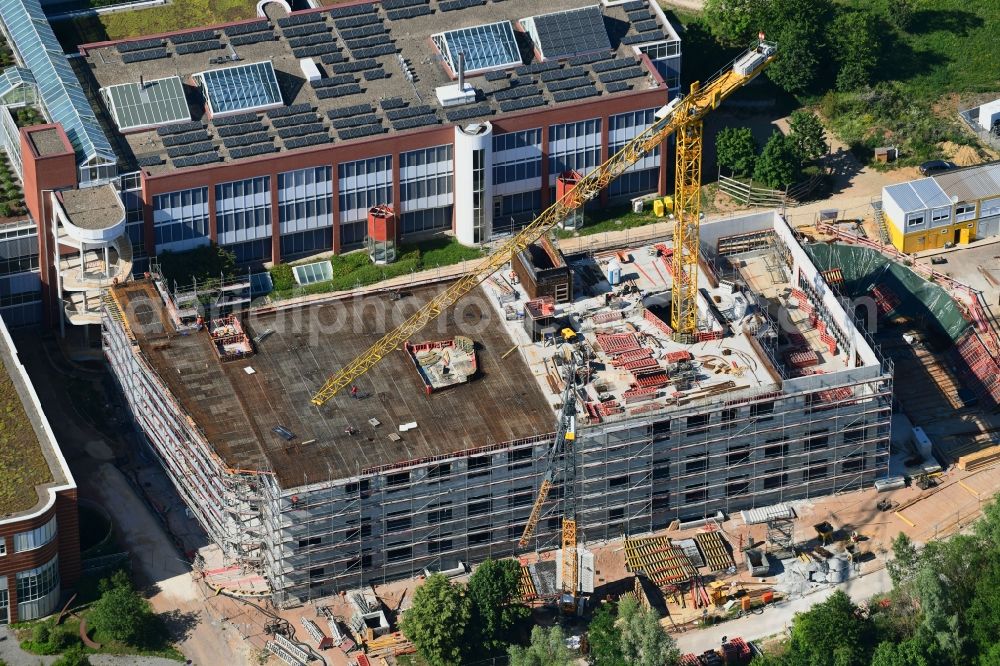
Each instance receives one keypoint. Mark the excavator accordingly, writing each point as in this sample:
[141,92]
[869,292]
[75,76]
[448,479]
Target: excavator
[682,118]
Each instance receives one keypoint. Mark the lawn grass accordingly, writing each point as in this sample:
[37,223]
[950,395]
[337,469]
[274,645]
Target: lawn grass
[356,269]
[951,47]
[175,15]
[22,464]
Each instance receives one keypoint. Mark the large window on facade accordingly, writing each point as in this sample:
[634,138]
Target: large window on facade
[180,218]
[425,178]
[643,176]
[363,184]
[517,157]
[243,210]
[35,538]
[34,584]
[306,243]
[131,192]
[574,147]
[305,199]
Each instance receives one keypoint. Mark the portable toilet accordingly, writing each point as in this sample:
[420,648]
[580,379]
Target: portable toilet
[614,272]
[668,203]
[657,208]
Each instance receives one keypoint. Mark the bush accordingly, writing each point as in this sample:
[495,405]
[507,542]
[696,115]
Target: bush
[40,634]
[62,637]
[282,277]
[75,656]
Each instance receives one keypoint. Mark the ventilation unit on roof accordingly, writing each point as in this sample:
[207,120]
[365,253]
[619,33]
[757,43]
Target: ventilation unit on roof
[310,70]
[454,95]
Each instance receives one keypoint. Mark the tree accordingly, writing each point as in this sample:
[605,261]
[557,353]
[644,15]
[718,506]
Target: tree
[904,560]
[736,149]
[547,648]
[734,22]
[604,638]
[121,613]
[644,642]
[856,46]
[495,610]
[438,620]
[830,634]
[779,164]
[806,130]
[800,28]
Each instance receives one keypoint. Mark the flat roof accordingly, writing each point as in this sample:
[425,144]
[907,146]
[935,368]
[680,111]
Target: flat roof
[978,182]
[30,463]
[364,53]
[918,195]
[47,142]
[92,207]
[237,411]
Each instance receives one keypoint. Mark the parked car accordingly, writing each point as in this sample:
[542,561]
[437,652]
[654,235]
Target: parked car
[936,165]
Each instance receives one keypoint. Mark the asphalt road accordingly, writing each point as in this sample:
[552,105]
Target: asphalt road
[777,618]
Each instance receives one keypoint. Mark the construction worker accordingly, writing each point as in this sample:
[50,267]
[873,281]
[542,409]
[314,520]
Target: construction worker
[354,391]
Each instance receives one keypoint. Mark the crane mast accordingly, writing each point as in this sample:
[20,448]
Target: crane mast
[682,116]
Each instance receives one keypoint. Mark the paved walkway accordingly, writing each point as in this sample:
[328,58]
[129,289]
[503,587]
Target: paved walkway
[777,618]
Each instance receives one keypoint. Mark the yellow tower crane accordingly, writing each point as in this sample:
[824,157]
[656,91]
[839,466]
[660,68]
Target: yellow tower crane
[683,117]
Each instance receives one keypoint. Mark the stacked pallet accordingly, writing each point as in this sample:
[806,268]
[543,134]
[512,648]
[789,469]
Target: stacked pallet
[618,343]
[979,460]
[802,359]
[661,562]
[715,550]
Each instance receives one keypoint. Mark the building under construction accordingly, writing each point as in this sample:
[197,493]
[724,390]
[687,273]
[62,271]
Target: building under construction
[781,397]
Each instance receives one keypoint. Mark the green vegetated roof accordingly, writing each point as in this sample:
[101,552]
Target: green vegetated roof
[864,269]
[22,463]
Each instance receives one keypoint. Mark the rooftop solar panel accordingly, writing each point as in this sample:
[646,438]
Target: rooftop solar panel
[588,58]
[336,80]
[522,103]
[642,38]
[250,151]
[469,112]
[514,93]
[303,30]
[141,56]
[416,121]
[309,40]
[345,111]
[576,93]
[233,89]
[190,149]
[301,130]
[149,160]
[397,114]
[331,58]
[364,42]
[178,128]
[357,21]
[633,6]
[400,4]
[354,121]
[536,67]
[358,132]
[566,33]
[339,91]
[496,75]
[617,63]
[156,102]
[351,10]
[568,73]
[236,119]
[375,74]
[139,45]
[187,137]
[645,26]
[288,121]
[408,13]
[393,103]
[490,46]
[241,128]
[195,160]
[299,19]
[292,110]
[356,66]
[364,31]
[315,50]
[640,15]
[198,47]
[197,36]
[621,74]
[246,139]
[618,86]
[310,140]
[246,28]
[374,51]
[253,38]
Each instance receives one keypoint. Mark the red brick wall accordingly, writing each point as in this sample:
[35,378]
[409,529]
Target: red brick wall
[46,173]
